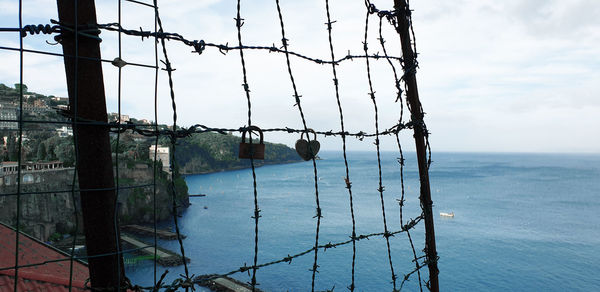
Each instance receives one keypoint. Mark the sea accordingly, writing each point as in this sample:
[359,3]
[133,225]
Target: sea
[522,222]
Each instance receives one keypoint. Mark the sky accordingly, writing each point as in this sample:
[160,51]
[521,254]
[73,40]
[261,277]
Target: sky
[494,76]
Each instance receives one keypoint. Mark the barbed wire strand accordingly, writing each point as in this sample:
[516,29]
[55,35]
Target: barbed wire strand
[296,96]
[417,266]
[401,160]
[397,82]
[419,124]
[173,162]
[401,202]
[284,41]
[390,15]
[381,188]
[288,259]
[198,46]
[182,132]
[239,22]
[329,24]
[154,161]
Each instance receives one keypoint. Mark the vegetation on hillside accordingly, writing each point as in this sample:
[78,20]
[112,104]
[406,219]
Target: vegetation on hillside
[209,152]
[40,139]
[199,153]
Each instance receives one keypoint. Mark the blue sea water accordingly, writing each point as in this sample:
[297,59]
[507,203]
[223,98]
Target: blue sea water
[523,222]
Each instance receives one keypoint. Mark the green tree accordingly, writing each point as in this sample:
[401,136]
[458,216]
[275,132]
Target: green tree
[65,151]
[12,147]
[41,152]
[143,151]
[18,87]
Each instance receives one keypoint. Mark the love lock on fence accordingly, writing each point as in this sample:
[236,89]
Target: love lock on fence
[249,150]
[308,149]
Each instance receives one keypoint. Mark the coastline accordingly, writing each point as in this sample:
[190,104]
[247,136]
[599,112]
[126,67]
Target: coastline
[239,167]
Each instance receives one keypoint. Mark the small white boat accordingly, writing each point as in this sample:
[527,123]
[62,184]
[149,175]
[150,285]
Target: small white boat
[444,214]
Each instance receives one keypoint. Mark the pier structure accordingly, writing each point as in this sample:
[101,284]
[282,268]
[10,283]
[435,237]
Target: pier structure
[224,284]
[164,257]
[148,231]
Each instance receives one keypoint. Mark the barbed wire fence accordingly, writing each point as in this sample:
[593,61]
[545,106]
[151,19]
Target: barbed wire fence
[80,33]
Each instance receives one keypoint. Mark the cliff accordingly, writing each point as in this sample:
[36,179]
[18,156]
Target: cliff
[136,205]
[48,213]
[42,214]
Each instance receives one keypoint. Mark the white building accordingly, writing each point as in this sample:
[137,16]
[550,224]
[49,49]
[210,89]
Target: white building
[61,99]
[64,131]
[162,154]
[113,117]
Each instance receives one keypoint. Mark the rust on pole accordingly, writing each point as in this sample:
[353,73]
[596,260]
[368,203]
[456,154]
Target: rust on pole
[95,170]
[412,95]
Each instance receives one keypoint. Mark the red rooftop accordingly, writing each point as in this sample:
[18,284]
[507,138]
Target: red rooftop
[39,274]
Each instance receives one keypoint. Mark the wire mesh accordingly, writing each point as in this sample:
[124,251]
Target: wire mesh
[159,37]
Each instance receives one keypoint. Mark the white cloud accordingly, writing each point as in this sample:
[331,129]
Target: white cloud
[495,75]
[498,76]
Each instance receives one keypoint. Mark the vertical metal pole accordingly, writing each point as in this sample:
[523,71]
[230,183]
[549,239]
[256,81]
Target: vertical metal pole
[95,169]
[412,95]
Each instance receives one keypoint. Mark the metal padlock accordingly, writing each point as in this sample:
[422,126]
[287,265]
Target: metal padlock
[308,149]
[248,150]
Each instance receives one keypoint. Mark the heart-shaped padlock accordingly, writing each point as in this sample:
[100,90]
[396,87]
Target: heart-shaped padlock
[308,149]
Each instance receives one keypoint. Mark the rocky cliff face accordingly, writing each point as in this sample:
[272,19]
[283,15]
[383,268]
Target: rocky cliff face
[47,208]
[46,202]
[136,205]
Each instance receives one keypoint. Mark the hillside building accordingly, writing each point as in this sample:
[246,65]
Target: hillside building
[113,117]
[162,154]
[64,131]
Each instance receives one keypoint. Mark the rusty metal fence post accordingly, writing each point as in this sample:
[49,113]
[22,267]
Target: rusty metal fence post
[94,163]
[420,132]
